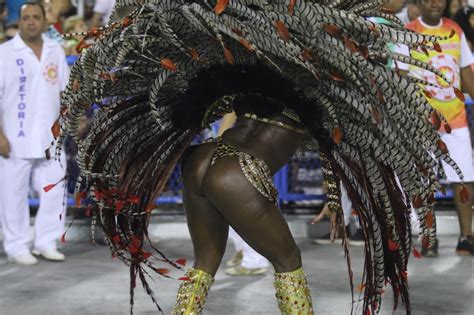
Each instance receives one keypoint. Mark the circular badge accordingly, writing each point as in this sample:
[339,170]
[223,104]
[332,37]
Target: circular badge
[50,73]
[447,64]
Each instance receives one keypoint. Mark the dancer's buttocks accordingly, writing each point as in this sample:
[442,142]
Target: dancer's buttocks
[252,151]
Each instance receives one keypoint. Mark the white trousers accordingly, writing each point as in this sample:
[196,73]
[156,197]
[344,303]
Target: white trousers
[251,259]
[346,205]
[15,178]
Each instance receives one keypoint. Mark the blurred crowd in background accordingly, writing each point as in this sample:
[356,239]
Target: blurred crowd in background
[76,16]
[64,16]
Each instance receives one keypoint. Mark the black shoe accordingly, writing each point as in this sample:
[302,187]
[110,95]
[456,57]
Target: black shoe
[465,246]
[429,251]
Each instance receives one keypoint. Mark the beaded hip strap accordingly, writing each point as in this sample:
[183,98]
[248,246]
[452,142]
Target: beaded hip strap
[275,123]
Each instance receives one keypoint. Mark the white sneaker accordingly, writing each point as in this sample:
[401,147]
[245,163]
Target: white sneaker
[24,259]
[50,254]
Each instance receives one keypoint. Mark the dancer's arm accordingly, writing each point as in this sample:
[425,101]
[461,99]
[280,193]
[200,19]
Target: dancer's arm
[227,122]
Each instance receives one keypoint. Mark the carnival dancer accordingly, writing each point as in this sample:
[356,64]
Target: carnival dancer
[292,71]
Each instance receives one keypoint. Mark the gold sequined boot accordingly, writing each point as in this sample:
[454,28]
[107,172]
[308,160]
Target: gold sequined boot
[292,293]
[192,293]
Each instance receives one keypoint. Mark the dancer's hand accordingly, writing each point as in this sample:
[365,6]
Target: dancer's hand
[325,212]
[4,146]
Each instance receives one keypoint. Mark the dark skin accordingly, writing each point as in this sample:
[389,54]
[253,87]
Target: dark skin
[432,11]
[220,195]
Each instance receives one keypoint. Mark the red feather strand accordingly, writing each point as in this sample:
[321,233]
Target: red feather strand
[56,129]
[429,219]
[428,94]
[392,246]
[162,271]
[51,186]
[417,202]
[416,253]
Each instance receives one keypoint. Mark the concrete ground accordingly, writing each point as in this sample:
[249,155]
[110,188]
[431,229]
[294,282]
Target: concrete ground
[90,282]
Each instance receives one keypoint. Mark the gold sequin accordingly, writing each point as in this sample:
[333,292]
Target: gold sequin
[292,293]
[192,293]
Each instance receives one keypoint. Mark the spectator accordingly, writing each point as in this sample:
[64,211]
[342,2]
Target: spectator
[102,12]
[33,72]
[410,12]
[455,61]
[3,15]
[246,261]
[13,9]
[73,24]
[452,7]
[465,19]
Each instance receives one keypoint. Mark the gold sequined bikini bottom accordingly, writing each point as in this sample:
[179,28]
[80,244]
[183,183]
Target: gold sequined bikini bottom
[255,169]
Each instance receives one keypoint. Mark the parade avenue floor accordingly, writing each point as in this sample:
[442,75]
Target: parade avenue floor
[90,282]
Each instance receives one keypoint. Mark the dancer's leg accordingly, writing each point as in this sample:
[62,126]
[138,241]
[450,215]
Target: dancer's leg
[258,221]
[208,231]
[207,226]
[262,226]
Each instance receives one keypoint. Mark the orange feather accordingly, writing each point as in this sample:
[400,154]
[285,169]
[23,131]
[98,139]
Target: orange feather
[459,94]
[442,146]
[436,120]
[168,64]
[291,6]
[282,30]
[229,57]
[332,30]
[337,135]
[417,202]
[220,7]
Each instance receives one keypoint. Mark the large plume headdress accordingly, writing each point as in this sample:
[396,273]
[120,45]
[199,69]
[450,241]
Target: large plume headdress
[165,71]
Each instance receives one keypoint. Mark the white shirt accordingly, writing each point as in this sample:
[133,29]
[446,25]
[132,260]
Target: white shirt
[104,7]
[30,95]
